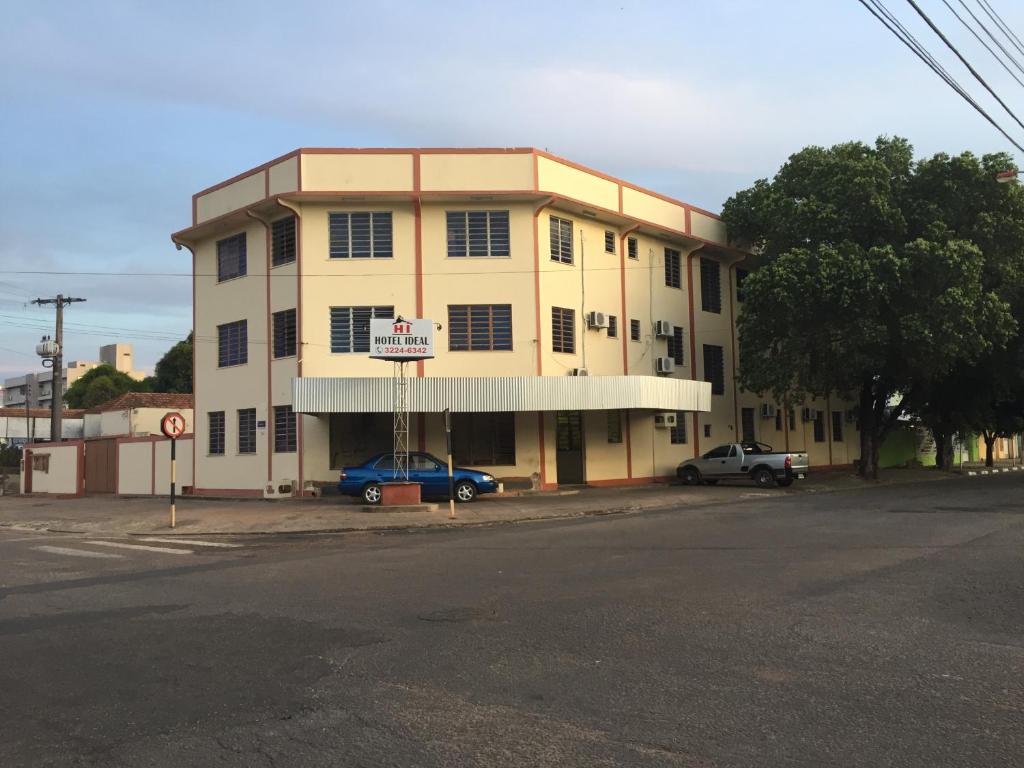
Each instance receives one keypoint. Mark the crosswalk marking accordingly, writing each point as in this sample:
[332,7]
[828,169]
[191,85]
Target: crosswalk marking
[164,550]
[78,552]
[190,542]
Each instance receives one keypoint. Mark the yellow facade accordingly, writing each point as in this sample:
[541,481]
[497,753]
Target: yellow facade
[418,188]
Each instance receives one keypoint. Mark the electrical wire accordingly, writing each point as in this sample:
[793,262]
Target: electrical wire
[932,64]
[988,47]
[992,14]
[913,4]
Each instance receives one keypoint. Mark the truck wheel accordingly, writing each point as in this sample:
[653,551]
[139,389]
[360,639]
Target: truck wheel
[785,482]
[763,477]
[690,476]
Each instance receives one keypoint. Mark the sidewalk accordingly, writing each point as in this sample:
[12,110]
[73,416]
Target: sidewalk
[109,515]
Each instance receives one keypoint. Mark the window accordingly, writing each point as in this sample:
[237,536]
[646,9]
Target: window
[837,426]
[609,241]
[215,420]
[563,329]
[284,429]
[350,327]
[714,368]
[631,248]
[634,330]
[673,268]
[561,240]
[233,343]
[707,430]
[282,241]
[247,430]
[231,257]
[819,426]
[747,425]
[478,233]
[677,434]
[778,420]
[360,235]
[614,426]
[479,327]
[710,286]
[284,333]
[41,463]
[741,275]
[721,452]
[487,439]
[675,346]
[613,327]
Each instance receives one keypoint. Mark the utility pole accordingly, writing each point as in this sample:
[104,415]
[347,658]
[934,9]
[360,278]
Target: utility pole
[56,357]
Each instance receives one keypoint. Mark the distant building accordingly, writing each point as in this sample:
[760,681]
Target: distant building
[37,388]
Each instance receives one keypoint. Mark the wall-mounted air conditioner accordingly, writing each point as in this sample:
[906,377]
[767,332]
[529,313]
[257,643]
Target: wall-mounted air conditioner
[663,329]
[809,414]
[664,364]
[767,411]
[579,372]
[665,420]
[597,320]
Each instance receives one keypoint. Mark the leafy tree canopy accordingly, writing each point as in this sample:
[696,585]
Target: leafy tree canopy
[99,385]
[174,369]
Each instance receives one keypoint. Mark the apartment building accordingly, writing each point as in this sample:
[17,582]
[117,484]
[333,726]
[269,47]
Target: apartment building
[37,388]
[585,326]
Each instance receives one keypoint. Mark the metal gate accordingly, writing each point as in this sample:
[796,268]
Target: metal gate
[101,466]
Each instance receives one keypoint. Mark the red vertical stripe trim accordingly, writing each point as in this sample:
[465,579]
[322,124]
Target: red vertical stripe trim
[693,339]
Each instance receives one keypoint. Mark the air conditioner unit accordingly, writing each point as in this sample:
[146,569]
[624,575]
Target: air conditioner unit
[663,329]
[597,320]
[282,489]
[578,372]
[664,364]
[767,411]
[665,420]
[809,414]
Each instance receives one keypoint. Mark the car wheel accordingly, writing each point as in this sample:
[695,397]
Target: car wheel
[764,477]
[710,482]
[690,476]
[372,494]
[785,482]
[465,492]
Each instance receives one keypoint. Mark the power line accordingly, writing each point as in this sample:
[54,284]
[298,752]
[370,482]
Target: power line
[966,63]
[988,48]
[934,66]
[992,14]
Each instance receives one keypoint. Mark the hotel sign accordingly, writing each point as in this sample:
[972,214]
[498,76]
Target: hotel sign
[401,339]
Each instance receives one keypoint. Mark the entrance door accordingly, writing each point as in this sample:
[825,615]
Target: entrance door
[569,448]
[100,466]
[747,417]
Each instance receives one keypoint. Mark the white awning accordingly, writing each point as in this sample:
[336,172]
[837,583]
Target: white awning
[432,394]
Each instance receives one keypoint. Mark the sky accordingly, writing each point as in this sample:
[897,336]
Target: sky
[112,114]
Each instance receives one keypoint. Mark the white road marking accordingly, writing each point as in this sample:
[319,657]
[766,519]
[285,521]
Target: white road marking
[78,552]
[164,550]
[190,542]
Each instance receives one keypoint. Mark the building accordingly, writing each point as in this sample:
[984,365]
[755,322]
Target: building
[586,325]
[37,388]
[20,425]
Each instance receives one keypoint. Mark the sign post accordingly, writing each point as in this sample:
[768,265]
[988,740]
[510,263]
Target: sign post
[451,473]
[173,427]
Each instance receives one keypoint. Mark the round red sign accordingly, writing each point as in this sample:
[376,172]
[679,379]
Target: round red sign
[172,425]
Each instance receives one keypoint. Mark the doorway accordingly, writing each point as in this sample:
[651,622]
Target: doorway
[569,448]
[101,466]
[747,425]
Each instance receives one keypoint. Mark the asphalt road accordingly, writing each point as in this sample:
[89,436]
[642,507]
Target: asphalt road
[874,628]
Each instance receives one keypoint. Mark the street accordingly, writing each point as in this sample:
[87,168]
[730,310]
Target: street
[879,627]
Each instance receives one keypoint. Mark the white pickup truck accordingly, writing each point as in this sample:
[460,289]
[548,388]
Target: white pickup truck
[744,461]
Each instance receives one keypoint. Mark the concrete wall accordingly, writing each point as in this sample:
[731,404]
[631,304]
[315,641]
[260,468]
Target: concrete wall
[65,472]
[144,465]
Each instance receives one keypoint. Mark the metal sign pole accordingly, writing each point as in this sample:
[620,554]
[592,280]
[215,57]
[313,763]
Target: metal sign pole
[451,473]
[401,423]
[174,443]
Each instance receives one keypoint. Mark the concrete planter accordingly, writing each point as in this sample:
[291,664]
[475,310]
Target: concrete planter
[399,494]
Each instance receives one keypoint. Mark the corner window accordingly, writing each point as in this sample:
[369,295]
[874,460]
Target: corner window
[714,368]
[741,276]
[631,248]
[360,235]
[609,241]
[675,346]
[284,333]
[478,233]
[282,241]
[247,430]
[677,434]
[634,330]
[563,330]
[710,286]
[561,240]
[613,327]
[673,268]
[231,257]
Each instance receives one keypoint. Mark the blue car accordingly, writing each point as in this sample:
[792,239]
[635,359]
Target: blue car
[432,474]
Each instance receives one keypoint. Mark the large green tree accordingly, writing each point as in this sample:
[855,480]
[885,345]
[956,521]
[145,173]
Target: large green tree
[174,370]
[852,300]
[99,385]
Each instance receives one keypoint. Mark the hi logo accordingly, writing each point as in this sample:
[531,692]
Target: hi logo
[402,328]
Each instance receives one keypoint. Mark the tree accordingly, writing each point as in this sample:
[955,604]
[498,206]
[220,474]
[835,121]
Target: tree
[174,370]
[847,303]
[99,385]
